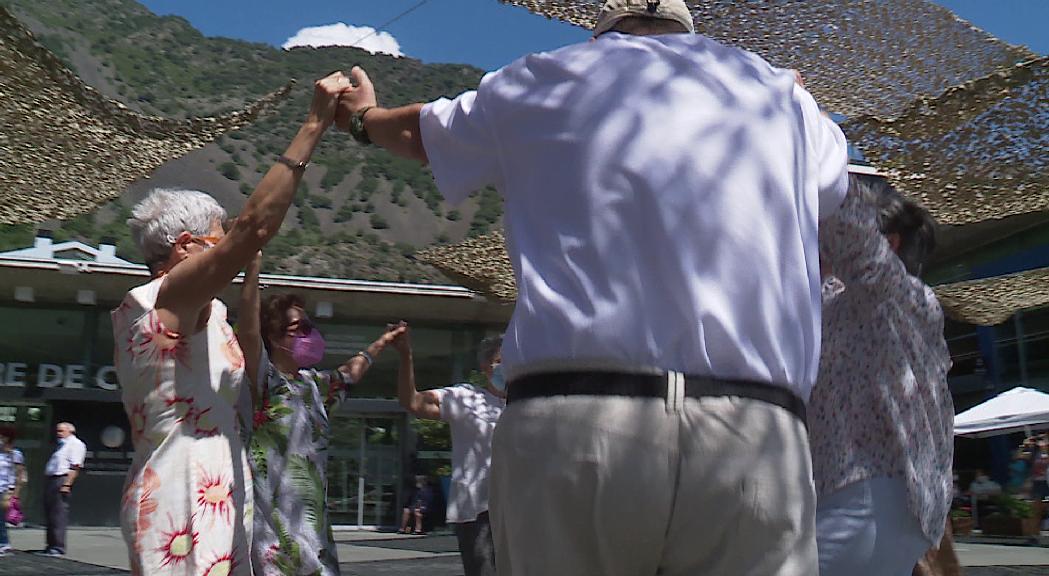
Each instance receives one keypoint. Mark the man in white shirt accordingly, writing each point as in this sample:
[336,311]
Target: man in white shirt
[61,470]
[662,193]
[472,414]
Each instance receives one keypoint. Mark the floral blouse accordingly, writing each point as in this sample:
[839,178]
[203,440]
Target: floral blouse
[289,455]
[881,406]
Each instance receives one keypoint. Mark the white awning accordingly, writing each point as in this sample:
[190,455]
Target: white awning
[1017,410]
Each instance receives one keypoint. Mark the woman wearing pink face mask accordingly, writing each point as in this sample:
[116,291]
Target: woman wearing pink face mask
[289,446]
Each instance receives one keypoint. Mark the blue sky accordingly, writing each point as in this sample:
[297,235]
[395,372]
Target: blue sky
[488,34]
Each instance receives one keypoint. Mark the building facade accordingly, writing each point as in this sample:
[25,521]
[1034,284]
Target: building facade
[56,355]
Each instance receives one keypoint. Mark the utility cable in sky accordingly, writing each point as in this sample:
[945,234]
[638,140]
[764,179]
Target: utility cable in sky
[388,22]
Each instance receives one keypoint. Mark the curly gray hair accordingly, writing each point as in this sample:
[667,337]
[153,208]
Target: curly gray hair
[165,214]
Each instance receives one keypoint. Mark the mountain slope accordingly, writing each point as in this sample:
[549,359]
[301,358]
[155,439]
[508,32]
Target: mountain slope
[359,210]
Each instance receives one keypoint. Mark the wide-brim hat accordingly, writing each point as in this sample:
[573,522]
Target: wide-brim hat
[65,148]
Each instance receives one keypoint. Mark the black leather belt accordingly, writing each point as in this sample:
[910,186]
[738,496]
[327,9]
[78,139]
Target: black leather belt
[549,384]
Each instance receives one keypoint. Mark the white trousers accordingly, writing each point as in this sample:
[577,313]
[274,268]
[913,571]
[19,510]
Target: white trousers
[616,486]
[866,529]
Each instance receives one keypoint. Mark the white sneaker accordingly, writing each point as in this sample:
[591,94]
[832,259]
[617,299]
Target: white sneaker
[5,548]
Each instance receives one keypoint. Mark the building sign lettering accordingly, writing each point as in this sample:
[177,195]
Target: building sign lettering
[75,376]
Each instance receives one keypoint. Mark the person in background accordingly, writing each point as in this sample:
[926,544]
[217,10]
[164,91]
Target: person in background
[1019,471]
[12,471]
[1040,470]
[472,413]
[289,444]
[62,470]
[982,485]
[187,502]
[418,505]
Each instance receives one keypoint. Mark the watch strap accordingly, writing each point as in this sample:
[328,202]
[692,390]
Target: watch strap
[357,129]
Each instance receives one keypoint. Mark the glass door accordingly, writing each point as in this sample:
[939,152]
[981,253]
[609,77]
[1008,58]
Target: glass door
[344,470]
[364,470]
[382,473]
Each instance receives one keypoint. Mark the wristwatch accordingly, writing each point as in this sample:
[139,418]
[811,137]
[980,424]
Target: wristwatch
[357,129]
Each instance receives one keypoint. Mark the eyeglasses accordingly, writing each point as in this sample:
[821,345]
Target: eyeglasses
[206,241]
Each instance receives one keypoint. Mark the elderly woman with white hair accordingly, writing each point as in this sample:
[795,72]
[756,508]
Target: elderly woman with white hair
[187,507]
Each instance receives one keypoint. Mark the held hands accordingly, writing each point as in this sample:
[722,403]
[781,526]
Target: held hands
[393,331]
[401,341]
[354,98]
[326,92]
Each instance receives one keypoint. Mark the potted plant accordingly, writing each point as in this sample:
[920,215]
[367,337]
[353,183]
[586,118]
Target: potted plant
[961,522]
[1012,517]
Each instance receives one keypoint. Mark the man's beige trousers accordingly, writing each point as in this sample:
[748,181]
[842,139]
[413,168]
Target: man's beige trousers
[620,486]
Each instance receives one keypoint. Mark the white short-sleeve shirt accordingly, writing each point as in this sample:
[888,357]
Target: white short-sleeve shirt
[662,199]
[472,414]
[69,455]
[9,463]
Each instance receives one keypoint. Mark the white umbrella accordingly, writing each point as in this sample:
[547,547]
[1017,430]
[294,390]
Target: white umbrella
[1017,410]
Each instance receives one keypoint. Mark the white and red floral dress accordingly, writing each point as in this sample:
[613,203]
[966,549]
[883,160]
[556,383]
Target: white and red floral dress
[187,507]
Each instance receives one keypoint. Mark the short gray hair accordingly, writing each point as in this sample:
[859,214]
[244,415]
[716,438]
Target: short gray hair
[165,214]
[487,350]
[69,426]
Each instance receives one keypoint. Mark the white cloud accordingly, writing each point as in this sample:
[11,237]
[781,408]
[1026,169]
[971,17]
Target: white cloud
[340,34]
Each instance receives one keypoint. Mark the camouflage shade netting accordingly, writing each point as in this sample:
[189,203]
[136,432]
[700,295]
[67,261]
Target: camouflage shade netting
[480,263]
[978,152]
[994,300]
[859,57]
[65,148]
[951,115]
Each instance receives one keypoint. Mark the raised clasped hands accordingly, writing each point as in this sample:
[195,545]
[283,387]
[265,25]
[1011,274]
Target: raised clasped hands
[401,341]
[326,93]
[358,95]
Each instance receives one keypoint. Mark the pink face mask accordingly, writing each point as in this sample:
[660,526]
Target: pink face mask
[308,349]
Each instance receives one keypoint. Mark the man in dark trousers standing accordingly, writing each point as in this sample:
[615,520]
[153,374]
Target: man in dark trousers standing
[62,470]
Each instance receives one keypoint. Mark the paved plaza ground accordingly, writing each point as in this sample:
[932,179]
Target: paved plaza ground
[100,551]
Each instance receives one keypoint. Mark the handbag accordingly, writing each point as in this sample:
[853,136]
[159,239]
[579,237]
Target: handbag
[14,512]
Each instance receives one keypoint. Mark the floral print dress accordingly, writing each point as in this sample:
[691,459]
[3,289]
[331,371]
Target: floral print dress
[187,506]
[289,452]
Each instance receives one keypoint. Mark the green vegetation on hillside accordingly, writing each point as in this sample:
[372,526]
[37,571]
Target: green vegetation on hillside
[162,65]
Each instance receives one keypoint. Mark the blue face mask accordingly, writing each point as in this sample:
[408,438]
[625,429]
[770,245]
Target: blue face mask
[498,380]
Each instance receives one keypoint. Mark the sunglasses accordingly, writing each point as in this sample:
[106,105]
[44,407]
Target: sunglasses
[206,241]
[302,326]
